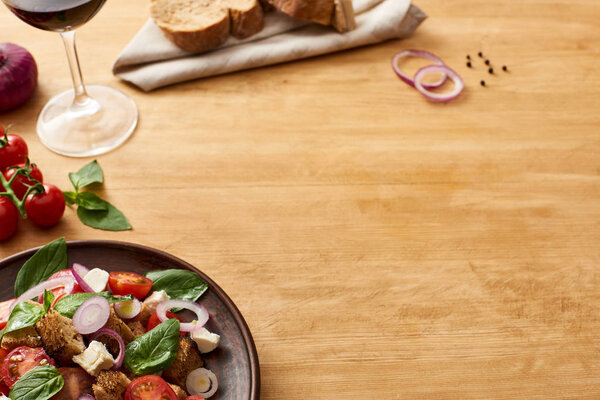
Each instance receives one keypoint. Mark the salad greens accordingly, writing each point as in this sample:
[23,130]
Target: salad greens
[155,350]
[88,174]
[178,283]
[48,299]
[22,316]
[41,383]
[49,259]
[67,305]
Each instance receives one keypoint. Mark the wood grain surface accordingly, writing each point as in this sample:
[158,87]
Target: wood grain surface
[379,246]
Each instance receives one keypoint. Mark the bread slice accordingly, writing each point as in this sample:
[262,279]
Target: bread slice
[201,25]
[343,16]
[319,11]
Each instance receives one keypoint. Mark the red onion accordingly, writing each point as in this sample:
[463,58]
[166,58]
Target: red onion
[114,334]
[64,281]
[79,271]
[200,311]
[430,69]
[18,76]
[86,397]
[421,54]
[91,315]
[128,309]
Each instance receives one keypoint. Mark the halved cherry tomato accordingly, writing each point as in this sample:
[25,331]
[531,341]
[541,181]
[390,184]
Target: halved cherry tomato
[154,320]
[194,397]
[60,291]
[3,388]
[5,312]
[124,283]
[77,382]
[149,387]
[19,185]
[21,360]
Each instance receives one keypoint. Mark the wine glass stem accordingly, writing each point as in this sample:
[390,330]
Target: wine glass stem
[82,99]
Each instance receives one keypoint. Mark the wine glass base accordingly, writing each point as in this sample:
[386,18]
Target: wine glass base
[95,128]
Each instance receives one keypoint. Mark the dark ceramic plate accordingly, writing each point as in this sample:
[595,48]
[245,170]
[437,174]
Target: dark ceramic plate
[235,361]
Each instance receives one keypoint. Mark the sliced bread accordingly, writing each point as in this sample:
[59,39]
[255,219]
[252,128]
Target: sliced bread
[319,11]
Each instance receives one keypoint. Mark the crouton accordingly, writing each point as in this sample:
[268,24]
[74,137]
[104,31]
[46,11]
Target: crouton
[110,385]
[181,394]
[136,328]
[117,324]
[187,359]
[59,337]
[143,317]
[23,337]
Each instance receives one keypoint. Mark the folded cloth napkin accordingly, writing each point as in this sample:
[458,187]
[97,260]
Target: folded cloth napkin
[151,61]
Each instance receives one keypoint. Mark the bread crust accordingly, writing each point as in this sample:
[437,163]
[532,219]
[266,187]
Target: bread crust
[319,11]
[246,22]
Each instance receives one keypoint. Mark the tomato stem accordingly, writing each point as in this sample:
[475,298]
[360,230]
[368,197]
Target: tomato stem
[10,194]
[4,140]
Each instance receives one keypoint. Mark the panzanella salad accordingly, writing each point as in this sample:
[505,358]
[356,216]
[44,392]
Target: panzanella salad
[80,334]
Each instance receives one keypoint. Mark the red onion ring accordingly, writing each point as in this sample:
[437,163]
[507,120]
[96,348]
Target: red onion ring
[114,334]
[135,308]
[37,290]
[200,311]
[421,54]
[458,82]
[79,272]
[86,397]
[91,315]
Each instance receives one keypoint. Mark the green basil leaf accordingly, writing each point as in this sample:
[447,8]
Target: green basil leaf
[90,201]
[49,259]
[41,383]
[155,350]
[67,305]
[48,299]
[109,220]
[70,197]
[23,315]
[88,174]
[178,283]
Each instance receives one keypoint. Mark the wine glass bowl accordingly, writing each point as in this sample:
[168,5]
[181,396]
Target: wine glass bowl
[83,121]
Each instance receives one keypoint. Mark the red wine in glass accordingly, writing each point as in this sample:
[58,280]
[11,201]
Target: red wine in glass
[55,15]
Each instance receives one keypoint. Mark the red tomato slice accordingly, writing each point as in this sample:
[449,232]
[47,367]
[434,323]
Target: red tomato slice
[5,312]
[149,387]
[21,360]
[154,320]
[60,291]
[3,388]
[124,283]
[77,382]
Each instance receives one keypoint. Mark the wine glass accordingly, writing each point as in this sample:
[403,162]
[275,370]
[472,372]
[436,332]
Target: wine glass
[83,121]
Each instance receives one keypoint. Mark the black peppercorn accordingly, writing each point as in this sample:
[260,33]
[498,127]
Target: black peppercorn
[487,62]
[480,54]
[504,68]
[468,57]
[491,70]
[469,64]
[482,83]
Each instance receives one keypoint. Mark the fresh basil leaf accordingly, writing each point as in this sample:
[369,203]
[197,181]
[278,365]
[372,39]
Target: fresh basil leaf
[23,315]
[90,201]
[88,174]
[178,283]
[49,259]
[41,383]
[109,220]
[67,305]
[155,350]
[70,197]
[48,299]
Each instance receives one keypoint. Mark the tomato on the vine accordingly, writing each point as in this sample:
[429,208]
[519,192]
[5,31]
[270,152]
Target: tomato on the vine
[149,387]
[9,218]
[47,208]
[19,185]
[13,149]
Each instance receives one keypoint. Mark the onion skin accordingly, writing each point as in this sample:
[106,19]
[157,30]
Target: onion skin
[18,76]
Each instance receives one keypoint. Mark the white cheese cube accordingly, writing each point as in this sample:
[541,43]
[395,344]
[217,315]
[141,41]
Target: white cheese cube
[205,340]
[95,358]
[156,297]
[97,279]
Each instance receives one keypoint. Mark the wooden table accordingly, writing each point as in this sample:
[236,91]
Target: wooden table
[380,246]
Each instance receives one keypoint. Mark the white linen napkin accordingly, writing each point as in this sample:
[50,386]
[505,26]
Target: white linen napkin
[151,61]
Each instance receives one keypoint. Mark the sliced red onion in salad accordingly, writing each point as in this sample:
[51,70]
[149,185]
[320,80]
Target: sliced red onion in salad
[64,281]
[79,272]
[202,382]
[114,334]
[430,69]
[201,313]
[421,54]
[128,309]
[91,315]
[86,397]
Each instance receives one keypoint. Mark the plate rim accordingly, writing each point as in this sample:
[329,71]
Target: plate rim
[229,304]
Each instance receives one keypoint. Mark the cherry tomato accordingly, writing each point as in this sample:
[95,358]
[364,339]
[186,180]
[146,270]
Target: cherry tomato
[124,283]
[60,291]
[19,185]
[13,152]
[77,382]
[9,218]
[21,360]
[5,313]
[45,209]
[3,388]
[194,397]
[154,320]
[149,387]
